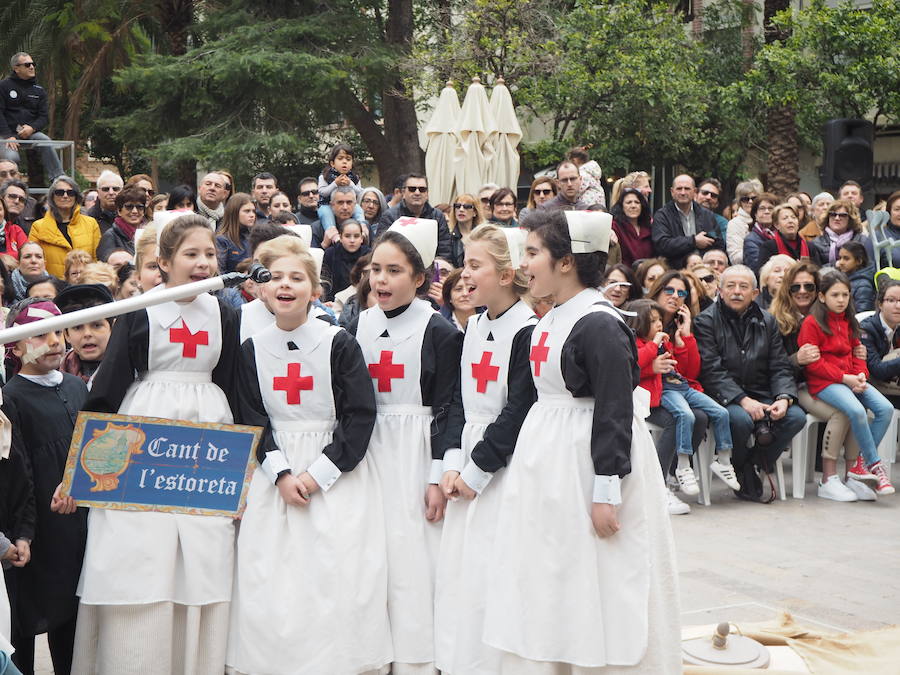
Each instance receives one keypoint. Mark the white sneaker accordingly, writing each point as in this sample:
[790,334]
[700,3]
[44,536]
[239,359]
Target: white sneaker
[862,491]
[687,481]
[726,473]
[676,506]
[834,489]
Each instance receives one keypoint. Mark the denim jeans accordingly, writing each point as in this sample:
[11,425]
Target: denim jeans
[326,216]
[854,407]
[679,401]
[742,427]
[49,158]
[665,442]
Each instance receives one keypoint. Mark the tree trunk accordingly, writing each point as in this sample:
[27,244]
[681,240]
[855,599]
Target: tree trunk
[400,122]
[176,17]
[784,151]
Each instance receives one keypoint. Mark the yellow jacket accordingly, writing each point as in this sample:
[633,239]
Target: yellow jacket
[83,231]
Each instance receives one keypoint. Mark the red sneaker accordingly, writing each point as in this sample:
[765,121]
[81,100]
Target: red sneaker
[859,472]
[884,483]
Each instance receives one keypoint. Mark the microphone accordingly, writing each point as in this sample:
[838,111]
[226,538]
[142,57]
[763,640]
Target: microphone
[258,273]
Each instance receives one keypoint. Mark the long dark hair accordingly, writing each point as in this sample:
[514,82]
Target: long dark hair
[553,229]
[618,213]
[635,292]
[820,311]
[640,322]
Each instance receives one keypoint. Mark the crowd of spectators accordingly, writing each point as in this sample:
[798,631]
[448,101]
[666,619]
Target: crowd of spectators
[732,283]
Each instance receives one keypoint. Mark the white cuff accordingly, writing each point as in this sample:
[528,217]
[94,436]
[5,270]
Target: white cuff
[274,463]
[475,477]
[607,490]
[437,472]
[454,460]
[324,472]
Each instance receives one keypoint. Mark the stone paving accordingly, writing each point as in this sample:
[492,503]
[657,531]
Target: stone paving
[835,566]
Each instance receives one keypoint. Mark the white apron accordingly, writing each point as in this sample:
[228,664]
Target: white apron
[469,526]
[134,557]
[400,456]
[255,317]
[311,585]
[558,593]
[5,622]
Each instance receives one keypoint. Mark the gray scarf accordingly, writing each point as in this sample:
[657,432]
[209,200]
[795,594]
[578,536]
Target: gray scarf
[214,215]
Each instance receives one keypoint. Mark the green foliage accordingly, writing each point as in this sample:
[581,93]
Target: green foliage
[841,61]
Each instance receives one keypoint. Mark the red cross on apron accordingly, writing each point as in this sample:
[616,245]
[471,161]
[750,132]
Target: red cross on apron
[386,370]
[189,341]
[292,384]
[484,372]
[539,353]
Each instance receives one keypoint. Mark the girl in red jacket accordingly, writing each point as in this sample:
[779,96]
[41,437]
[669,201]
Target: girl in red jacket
[840,379]
[679,392]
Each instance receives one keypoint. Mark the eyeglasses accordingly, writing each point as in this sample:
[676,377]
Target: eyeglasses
[570,179]
[16,198]
[505,204]
[30,64]
[134,207]
[150,192]
[307,193]
[796,288]
[891,301]
[486,200]
[766,207]
[708,279]
[110,188]
[64,193]
[681,293]
[839,216]
[367,200]
[12,173]
[468,207]
[708,193]
[622,284]
[548,191]
[748,198]
[417,188]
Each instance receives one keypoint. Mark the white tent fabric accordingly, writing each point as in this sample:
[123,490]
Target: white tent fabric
[503,168]
[440,146]
[475,132]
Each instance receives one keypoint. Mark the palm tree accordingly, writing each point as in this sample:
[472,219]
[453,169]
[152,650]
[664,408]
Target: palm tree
[784,146]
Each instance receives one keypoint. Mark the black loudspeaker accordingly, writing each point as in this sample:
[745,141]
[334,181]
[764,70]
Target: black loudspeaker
[848,153]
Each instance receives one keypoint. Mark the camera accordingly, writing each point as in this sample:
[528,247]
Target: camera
[764,431]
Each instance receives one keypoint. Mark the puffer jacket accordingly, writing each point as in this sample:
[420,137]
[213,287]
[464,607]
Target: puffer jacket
[83,231]
[22,102]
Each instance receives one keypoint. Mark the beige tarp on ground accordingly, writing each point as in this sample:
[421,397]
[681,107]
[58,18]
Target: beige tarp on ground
[475,133]
[503,168]
[796,649]
[440,147]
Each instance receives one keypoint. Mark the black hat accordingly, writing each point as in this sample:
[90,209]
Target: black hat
[80,296]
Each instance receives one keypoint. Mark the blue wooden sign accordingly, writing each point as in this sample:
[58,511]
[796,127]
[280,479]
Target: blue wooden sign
[150,464]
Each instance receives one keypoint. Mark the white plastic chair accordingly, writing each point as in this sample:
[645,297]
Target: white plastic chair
[887,449]
[803,456]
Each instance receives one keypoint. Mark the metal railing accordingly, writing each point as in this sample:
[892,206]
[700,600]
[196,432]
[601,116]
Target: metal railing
[63,148]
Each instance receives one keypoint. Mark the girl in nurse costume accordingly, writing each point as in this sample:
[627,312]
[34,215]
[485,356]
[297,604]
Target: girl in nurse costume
[256,314]
[412,353]
[497,392]
[156,587]
[311,585]
[582,576]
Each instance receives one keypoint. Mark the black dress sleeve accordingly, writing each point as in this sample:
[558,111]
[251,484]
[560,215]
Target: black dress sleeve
[126,355]
[441,353]
[17,509]
[599,360]
[251,408]
[224,375]
[354,403]
[492,452]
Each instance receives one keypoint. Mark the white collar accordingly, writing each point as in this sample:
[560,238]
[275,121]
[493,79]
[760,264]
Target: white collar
[307,337]
[52,379]
[888,331]
[194,313]
[403,326]
[507,324]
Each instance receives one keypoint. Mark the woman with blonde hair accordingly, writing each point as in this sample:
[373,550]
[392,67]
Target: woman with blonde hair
[771,276]
[839,224]
[465,216]
[639,180]
[542,190]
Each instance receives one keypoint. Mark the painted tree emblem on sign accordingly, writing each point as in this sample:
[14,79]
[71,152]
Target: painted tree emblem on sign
[108,454]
